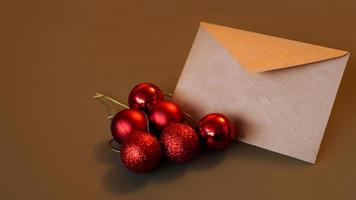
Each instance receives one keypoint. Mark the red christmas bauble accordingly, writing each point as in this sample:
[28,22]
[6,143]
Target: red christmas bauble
[216,131]
[164,113]
[180,143]
[144,95]
[126,121]
[141,152]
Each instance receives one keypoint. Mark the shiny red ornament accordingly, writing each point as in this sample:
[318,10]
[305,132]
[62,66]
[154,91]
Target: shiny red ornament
[164,113]
[216,131]
[144,95]
[141,152]
[180,143]
[126,121]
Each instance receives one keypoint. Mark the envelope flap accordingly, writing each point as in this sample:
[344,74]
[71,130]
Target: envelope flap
[258,52]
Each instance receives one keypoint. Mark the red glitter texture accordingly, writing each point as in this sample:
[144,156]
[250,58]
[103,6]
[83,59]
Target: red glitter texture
[180,143]
[141,152]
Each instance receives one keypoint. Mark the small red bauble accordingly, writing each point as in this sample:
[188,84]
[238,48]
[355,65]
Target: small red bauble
[180,143]
[126,121]
[141,152]
[216,131]
[144,95]
[164,113]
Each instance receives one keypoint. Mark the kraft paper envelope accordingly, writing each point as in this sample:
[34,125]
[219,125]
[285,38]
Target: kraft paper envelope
[278,92]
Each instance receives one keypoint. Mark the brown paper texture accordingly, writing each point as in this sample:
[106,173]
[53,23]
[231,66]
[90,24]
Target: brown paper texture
[258,52]
[284,110]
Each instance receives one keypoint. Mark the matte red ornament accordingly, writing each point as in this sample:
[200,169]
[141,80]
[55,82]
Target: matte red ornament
[180,143]
[144,95]
[141,152]
[126,121]
[216,131]
[164,113]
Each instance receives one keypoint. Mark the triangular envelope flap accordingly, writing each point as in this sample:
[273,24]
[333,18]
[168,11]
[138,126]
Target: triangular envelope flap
[258,52]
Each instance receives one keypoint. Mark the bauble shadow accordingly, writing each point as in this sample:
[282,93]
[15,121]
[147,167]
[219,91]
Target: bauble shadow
[119,180]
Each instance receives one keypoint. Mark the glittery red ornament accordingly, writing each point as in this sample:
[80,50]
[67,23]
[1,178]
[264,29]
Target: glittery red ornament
[216,131]
[164,113]
[180,143]
[144,95]
[126,121]
[141,152]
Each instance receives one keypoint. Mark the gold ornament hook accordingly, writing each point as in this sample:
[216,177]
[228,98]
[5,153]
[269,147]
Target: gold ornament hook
[112,106]
[170,95]
[112,147]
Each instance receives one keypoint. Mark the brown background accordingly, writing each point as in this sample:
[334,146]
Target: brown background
[55,54]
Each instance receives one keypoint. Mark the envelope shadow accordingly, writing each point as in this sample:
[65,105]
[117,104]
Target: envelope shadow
[119,180]
[240,126]
[342,109]
[248,153]
[244,151]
